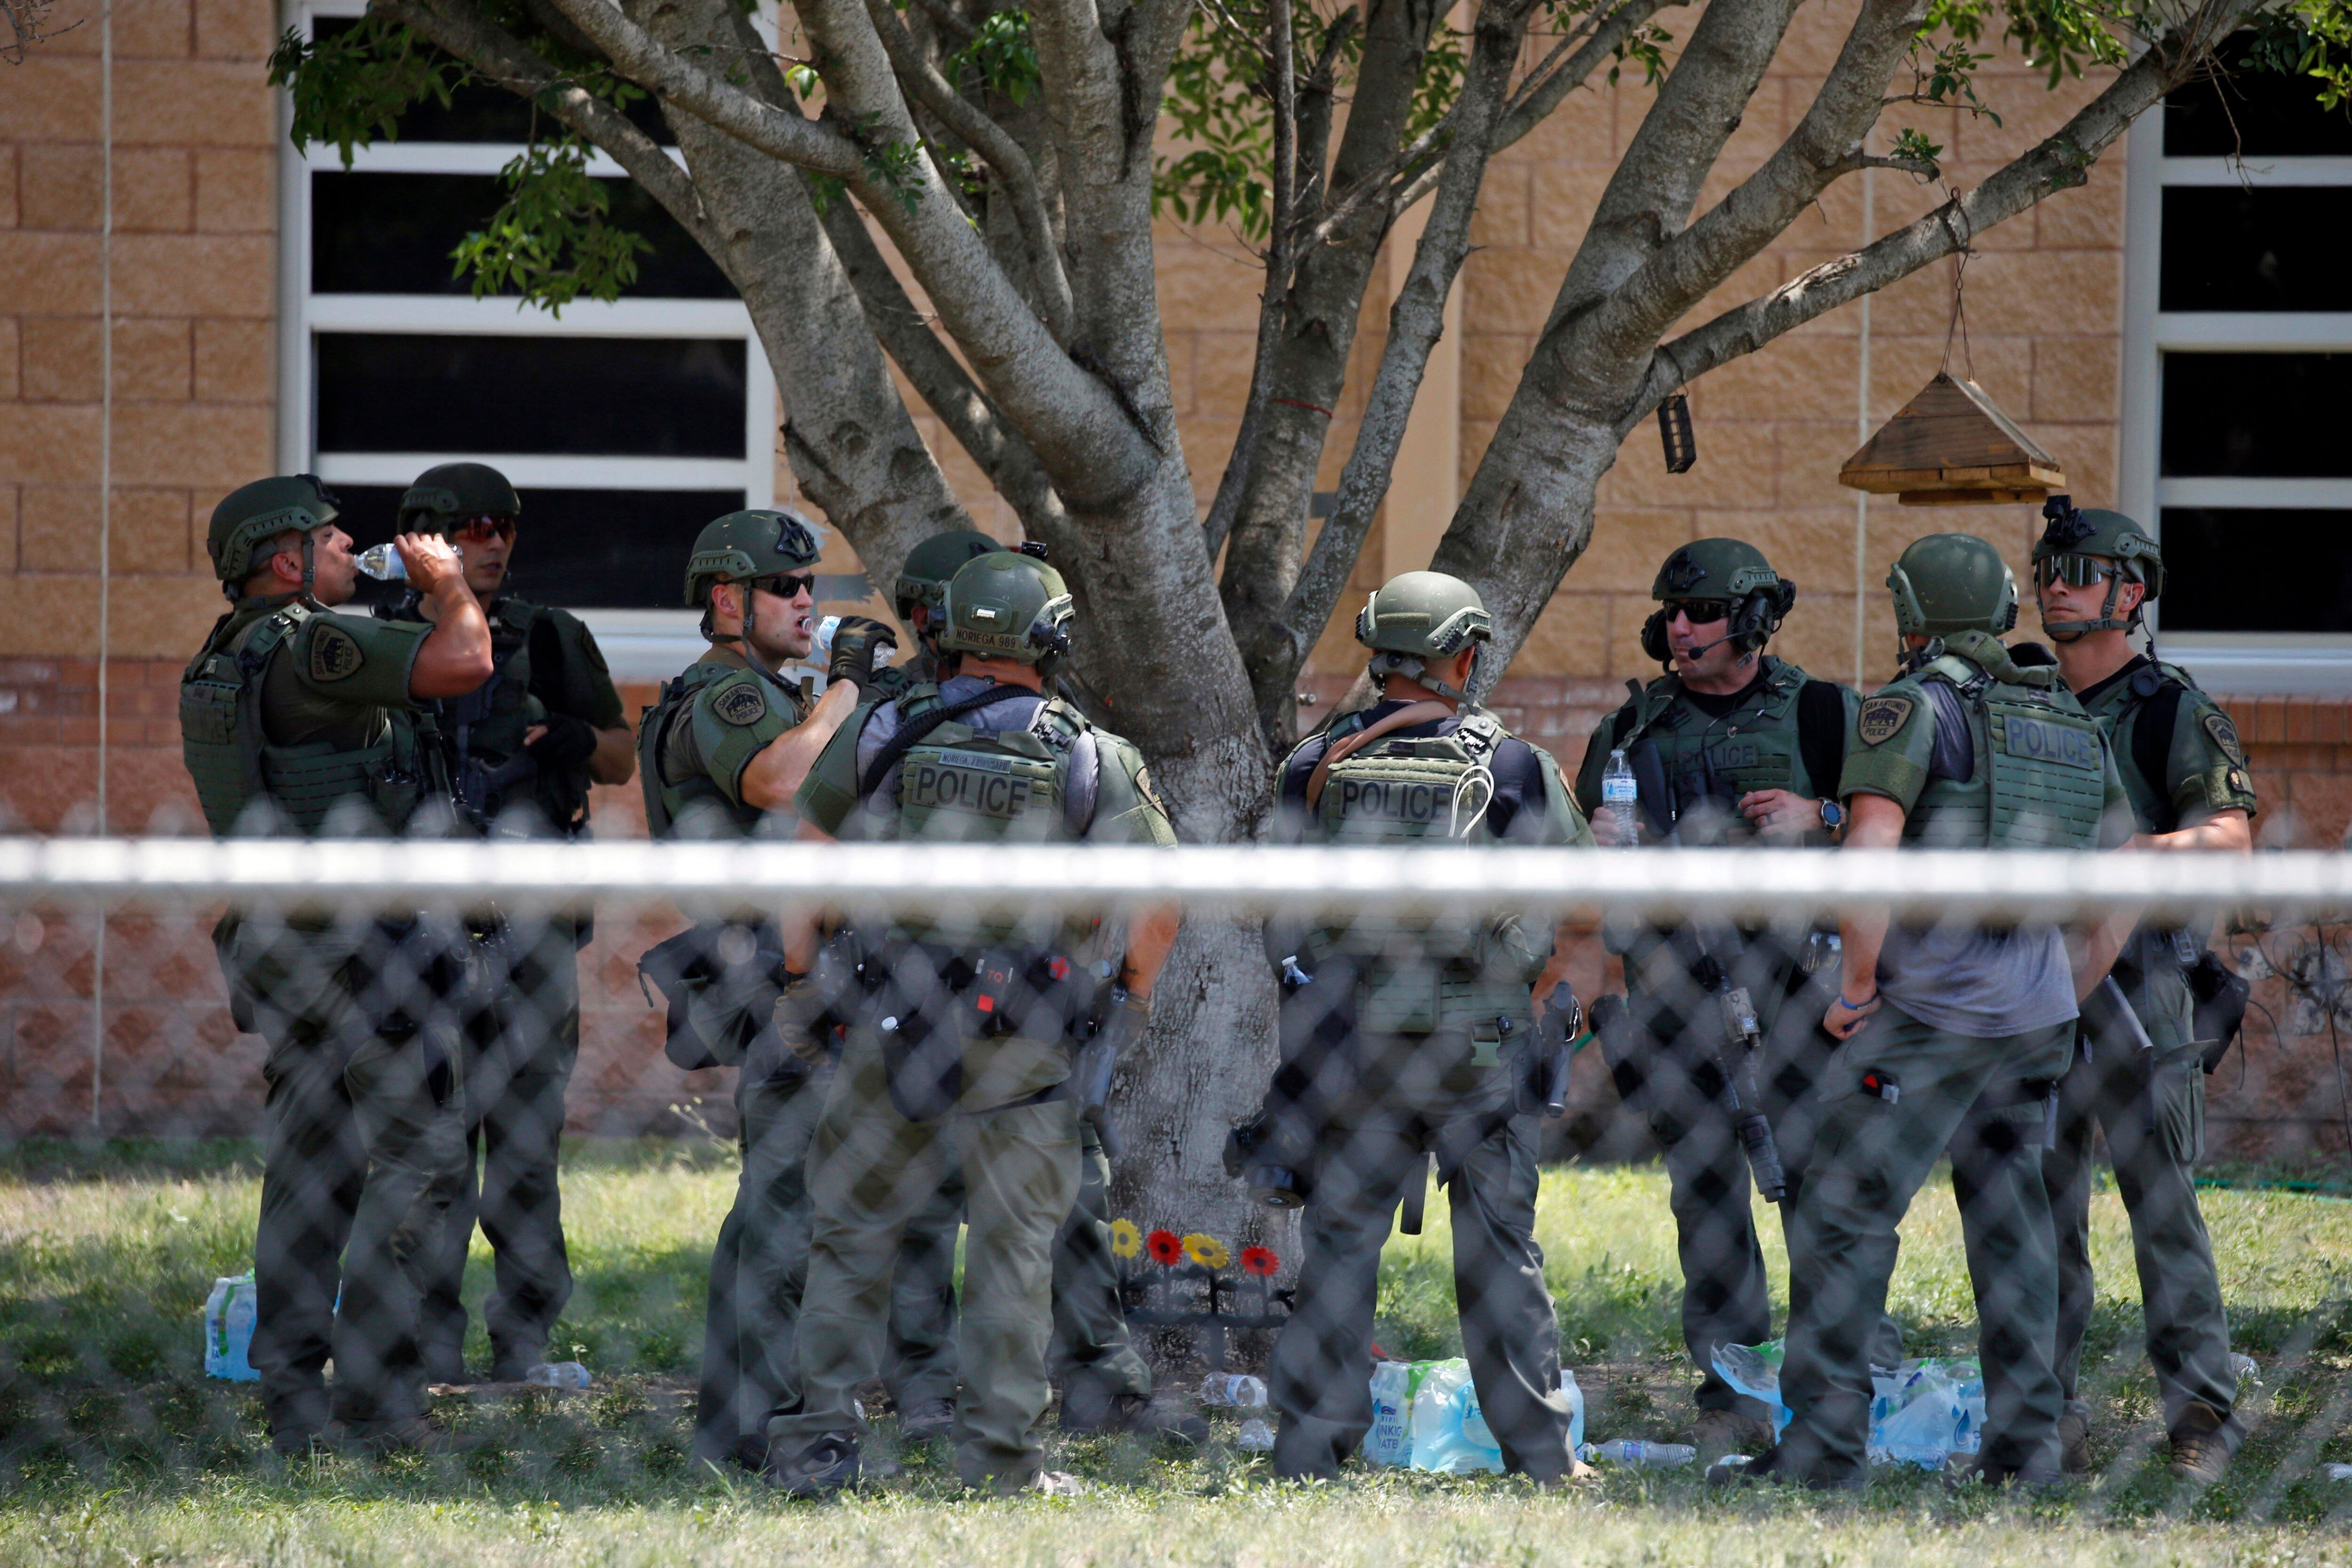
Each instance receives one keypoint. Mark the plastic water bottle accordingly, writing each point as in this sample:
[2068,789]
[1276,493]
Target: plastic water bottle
[558,1375]
[1575,1407]
[1255,1436]
[1620,795]
[229,1314]
[1233,1388]
[821,639]
[384,563]
[1656,1456]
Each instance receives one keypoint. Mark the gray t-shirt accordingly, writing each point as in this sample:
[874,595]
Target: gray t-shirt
[1972,981]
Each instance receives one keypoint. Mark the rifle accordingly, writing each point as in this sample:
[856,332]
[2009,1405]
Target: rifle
[1741,1102]
[1543,1091]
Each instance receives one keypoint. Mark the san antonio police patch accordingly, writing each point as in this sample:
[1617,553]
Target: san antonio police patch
[740,703]
[2225,735]
[1880,718]
[334,652]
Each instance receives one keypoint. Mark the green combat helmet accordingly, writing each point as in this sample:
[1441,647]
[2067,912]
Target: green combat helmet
[2084,544]
[1004,606]
[743,547]
[252,514]
[1730,570]
[444,493]
[923,580]
[1952,582]
[1418,619]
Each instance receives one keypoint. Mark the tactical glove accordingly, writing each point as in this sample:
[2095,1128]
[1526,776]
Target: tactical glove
[857,645]
[568,742]
[803,1016]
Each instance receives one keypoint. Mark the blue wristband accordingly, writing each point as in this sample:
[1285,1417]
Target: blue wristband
[1851,1007]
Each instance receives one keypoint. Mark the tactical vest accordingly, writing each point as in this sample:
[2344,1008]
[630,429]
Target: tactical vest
[229,757]
[485,729]
[1414,977]
[963,783]
[2121,717]
[698,794]
[2040,779]
[1709,763]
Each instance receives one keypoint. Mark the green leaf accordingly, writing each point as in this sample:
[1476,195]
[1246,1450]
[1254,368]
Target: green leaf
[1002,55]
[550,240]
[351,88]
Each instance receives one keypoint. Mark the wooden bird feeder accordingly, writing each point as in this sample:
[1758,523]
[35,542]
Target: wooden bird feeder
[1951,446]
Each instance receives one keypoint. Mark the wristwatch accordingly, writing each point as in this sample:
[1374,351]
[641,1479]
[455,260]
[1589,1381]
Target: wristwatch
[1832,816]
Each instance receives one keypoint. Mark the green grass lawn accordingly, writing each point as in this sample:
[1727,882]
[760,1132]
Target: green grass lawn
[114,1448]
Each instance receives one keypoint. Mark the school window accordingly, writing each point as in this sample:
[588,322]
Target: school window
[625,427]
[2238,363]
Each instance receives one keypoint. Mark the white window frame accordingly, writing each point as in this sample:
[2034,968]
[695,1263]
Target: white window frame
[636,644]
[2238,663]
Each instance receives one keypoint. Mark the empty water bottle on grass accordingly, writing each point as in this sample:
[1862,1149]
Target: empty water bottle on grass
[1650,1455]
[1235,1388]
[558,1375]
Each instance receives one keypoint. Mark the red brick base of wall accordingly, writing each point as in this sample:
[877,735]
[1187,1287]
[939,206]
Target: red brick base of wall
[168,1061]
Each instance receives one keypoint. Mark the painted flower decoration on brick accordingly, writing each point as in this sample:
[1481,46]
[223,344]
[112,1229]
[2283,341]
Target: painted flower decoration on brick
[1126,1241]
[1260,1261]
[1164,1248]
[1206,1250]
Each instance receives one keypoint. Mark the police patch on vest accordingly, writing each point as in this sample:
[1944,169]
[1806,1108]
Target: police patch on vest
[1880,718]
[2225,735]
[1411,801]
[2044,742]
[334,652]
[975,782]
[742,703]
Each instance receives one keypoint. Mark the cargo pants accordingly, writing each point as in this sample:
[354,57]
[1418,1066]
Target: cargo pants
[2153,1113]
[1673,1081]
[363,1149]
[1870,1154]
[758,1271]
[1091,1339]
[520,1050]
[1319,1376]
[870,1171]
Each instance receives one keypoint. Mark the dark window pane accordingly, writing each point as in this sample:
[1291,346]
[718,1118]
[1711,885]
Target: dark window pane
[2257,113]
[480,113]
[2257,570]
[2274,247]
[392,234]
[606,397]
[2273,416]
[600,549]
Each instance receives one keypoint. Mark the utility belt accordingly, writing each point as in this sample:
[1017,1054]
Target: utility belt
[929,1002]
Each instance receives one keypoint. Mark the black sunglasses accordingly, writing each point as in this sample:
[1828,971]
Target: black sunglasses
[787,585]
[1701,611]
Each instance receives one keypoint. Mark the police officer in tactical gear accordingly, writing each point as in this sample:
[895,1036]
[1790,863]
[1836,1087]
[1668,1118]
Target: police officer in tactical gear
[2096,573]
[719,753]
[523,748]
[1105,1383]
[1731,745]
[961,1053]
[295,718]
[1402,1040]
[1951,1034]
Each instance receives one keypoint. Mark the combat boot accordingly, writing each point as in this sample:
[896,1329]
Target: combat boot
[1719,1432]
[826,1466]
[2075,1438]
[929,1420]
[1087,1406]
[2200,1446]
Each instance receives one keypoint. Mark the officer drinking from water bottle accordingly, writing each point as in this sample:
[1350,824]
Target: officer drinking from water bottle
[1402,1040]
[2094,572]
[1730,746]
[1951,1035]
[720,754]
[524,747]
[297,718]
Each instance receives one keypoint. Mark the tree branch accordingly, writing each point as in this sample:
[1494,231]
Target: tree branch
[1003,154]
[1539,93]
[507,61]
[941,382]
[2059,163]
[1079,429]
[1272,305]
[1416,321]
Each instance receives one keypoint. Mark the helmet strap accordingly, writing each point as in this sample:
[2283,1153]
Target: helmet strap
[309,565]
